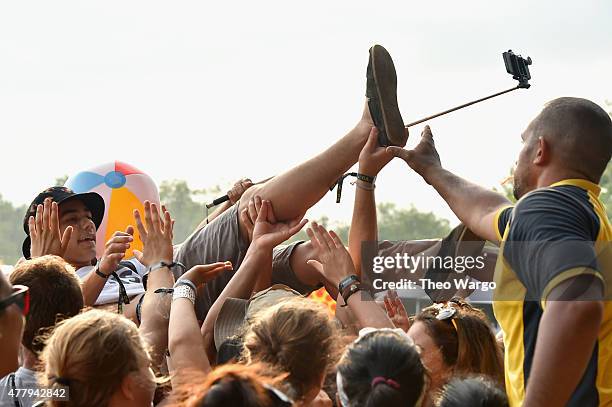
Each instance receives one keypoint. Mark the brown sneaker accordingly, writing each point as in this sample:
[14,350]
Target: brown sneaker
[381,91]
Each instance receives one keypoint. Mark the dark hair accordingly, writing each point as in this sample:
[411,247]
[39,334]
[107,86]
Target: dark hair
[55,294]
[230,350]
[581,132]
[227,385]
[474,392]
[466,340]
[383,368]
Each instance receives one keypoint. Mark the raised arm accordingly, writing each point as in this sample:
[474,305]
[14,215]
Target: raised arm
[256,269]
[156,234]
[185,343]
[364,224]
[475,206]
[336,265]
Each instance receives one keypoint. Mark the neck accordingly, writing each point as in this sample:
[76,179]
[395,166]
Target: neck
[548,178]
[29,359]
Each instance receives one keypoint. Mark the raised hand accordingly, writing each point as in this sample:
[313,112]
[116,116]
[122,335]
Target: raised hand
[206,272]
[115,250]
[423,157]
[373,157]
[396,311]
[238,189]
[267,231]
[45,233]
[334,261]
[156,235]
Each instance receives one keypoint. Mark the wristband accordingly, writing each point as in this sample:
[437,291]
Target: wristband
[184,291]
[101,274]
[350,290]
[163,264]
[186,282]
[346,281]
[361,177]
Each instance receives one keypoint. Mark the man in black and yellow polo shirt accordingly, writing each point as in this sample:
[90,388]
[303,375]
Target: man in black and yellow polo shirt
[554,280]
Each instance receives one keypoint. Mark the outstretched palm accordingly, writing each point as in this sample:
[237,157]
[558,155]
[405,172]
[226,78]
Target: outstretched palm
[268,232]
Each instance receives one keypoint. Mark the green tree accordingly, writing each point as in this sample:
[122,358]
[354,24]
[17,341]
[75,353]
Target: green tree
[394,224]
[185,205]
[11,231]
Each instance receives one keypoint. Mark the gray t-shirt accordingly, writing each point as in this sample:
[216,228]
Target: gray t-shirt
[23,379]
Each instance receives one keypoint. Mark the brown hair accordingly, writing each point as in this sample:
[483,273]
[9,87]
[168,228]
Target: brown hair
[227,385]
[92,353]
[55,294]
[297,337]
[468,345]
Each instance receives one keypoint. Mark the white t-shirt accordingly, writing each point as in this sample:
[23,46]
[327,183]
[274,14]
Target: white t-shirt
[24,379]
[131,280]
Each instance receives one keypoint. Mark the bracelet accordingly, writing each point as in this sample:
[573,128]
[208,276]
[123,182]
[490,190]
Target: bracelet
[184,291]
[186,282]
[346,281]
[163,264]
[352,289]
[359,176]
[364,185]
[101,274]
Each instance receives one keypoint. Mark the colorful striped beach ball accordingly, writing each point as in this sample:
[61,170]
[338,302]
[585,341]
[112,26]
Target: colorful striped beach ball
[123,188]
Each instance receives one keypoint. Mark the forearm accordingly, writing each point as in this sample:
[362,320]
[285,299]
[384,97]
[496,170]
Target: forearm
[185,342]
[242,284]
[474,205]
[363,225]
[366,313]
[155,313]
[91,287]
[565,325]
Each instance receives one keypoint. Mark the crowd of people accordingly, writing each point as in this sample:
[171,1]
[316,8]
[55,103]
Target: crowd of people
[223,318]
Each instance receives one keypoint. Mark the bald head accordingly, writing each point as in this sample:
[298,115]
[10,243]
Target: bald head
[579,133]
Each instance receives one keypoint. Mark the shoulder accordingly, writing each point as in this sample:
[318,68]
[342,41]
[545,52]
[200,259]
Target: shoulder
[561,209]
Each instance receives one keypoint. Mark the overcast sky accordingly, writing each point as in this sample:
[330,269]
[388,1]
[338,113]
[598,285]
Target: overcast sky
[213,91]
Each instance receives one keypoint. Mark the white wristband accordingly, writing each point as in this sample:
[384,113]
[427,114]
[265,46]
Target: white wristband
[184,291]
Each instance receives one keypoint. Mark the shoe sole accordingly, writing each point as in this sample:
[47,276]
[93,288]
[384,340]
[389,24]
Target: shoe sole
[385,79]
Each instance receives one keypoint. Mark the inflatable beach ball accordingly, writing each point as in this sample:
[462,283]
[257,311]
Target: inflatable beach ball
[123,188]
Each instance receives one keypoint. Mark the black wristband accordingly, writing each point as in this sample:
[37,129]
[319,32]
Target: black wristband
[346,281]
[162,264]
[350,290]
[100,274]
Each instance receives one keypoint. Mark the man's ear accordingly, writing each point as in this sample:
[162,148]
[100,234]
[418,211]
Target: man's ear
[542,154]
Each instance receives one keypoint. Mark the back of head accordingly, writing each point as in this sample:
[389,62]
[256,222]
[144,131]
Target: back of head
[476,392]
[92,353]
[580,135]
[227,385]
[297,337]
[55,294]
[466,340]
[382,368]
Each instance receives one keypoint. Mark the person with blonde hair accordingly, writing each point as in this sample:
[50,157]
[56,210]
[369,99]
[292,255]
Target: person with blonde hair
[101,359]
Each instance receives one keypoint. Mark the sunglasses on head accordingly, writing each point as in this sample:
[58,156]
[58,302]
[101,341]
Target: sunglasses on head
[20,296]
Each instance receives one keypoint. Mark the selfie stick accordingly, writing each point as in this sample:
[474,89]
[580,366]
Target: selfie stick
[462,106]
[515,65]
[225,197]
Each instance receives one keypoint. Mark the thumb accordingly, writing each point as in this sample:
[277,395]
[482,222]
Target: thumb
[317,265]
[130,230]
[372,142]
[138,255]
[400,152]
